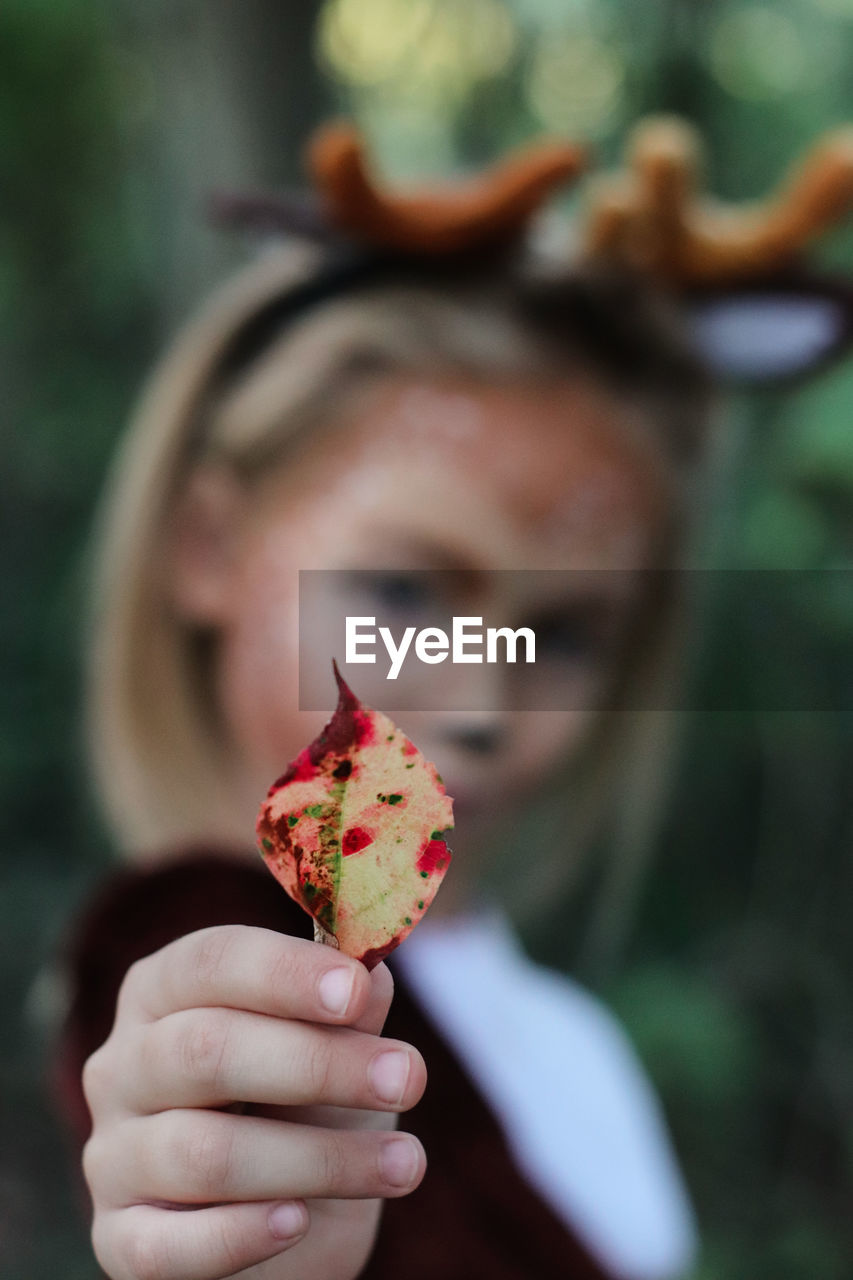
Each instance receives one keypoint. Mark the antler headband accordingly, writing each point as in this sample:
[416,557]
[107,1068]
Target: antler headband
[650,219]
[653,218]
[481,213]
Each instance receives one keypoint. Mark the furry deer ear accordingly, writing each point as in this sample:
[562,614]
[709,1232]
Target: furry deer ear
[776,331]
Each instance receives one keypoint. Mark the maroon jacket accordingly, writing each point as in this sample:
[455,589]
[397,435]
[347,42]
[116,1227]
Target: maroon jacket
[474,1217]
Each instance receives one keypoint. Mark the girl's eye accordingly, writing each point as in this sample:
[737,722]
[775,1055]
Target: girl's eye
[570,634]
[394,591]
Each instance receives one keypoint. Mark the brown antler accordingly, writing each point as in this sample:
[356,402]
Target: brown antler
[479,213]
[652,219]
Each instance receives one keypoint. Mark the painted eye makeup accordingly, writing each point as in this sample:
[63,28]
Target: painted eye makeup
[579,631]
[401,592]
[395,593]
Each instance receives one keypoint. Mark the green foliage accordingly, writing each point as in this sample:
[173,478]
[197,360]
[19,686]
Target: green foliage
[75,324]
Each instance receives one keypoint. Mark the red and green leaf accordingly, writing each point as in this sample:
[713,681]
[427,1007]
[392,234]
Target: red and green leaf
[353,830]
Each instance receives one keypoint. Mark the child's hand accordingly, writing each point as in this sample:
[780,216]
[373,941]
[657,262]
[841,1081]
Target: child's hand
[289,1030]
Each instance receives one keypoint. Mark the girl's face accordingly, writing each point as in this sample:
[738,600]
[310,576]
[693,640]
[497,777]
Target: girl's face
[433,476]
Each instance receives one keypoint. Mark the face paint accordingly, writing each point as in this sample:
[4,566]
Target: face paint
[526,478]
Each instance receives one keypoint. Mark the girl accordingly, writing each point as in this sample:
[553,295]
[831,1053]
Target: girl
[432,392]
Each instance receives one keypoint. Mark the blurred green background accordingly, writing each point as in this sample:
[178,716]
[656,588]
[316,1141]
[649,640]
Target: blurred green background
[730,958]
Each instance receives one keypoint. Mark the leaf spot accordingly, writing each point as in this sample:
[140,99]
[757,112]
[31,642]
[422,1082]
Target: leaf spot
[355,839]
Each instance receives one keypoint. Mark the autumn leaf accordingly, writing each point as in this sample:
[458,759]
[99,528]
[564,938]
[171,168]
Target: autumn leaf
[353,830]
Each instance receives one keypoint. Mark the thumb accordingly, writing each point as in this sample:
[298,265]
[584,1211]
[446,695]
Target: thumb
[378,1002]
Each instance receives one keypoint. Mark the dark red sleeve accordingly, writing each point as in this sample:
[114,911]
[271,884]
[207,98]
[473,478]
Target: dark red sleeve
[474,1217]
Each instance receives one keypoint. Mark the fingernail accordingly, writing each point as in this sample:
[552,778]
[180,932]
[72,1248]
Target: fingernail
[287,1220]
[335,989]
[399,1162]
[388,1074]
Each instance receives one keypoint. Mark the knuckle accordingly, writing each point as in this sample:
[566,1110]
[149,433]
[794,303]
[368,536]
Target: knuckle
[231,1247]
[206,1155]
[146,1255]
[132,986]
[96,1076]
[333,1164]
[282,969]
[213,951]
[201,1045]
[150,1050]
[92,1162]
[317,1063]
[101,1239]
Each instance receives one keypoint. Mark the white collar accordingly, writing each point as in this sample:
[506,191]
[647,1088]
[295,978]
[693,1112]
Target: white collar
[558,1070]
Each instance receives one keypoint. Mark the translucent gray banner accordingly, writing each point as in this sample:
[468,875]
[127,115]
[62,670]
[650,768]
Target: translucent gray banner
[570,640]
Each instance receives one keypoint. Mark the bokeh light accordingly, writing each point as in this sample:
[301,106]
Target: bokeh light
[364,41]
[432,50]
[759,53]
[575,83]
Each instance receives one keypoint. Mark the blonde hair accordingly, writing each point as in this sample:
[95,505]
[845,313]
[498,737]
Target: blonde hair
[160,762]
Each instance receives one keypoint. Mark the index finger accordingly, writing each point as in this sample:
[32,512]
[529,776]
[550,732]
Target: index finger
[244,967]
